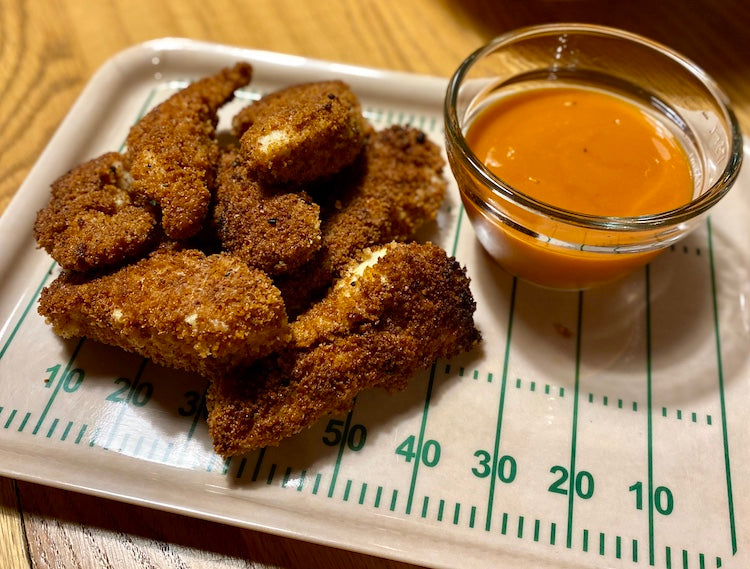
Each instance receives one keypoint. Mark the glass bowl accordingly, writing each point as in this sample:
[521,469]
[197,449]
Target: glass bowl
[563,249]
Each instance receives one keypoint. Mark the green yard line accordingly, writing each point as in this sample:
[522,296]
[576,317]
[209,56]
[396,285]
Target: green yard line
[197,418]
[501,407]
[459,218]
[574,433]
[26,310]
[59,383]
[125,405]
[420,441]
[649,423]
[340,454]
[720,370]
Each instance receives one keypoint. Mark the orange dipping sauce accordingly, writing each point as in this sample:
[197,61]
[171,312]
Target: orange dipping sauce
[580,150]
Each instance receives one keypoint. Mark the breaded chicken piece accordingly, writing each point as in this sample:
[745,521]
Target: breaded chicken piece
[174,151]
[386,318]
[180,308]
[92,219]
[302,132]
[395,187]
[270,229]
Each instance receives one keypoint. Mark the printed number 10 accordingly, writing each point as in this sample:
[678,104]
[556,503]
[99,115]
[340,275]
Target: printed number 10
[663,499]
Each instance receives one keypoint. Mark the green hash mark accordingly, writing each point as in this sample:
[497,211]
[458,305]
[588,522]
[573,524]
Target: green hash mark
[533,387]
[592,398]
[240,468]
[80,433]
[394,497]
[316,484]
[287,477]
[138,445]
[10,418]
[52,428]
[378,496]
[66,432]
[155,445]
[271,474]
[23,423]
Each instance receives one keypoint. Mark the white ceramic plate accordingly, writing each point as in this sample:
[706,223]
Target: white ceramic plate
[598,429]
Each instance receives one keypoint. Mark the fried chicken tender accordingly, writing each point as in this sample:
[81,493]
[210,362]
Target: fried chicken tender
[394,188]
[386,318]
[180,308]
[93,220]
[270,229]
[302,133]
[174,151]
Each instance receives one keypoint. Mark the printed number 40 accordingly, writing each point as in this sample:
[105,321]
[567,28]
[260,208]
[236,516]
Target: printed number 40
[429,454]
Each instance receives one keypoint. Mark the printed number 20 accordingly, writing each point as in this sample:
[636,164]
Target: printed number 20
[583,483]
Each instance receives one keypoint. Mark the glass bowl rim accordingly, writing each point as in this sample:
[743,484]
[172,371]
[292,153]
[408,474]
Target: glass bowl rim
[503,191]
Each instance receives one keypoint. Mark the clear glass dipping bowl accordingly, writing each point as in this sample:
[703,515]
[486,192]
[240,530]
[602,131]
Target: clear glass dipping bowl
[564,249]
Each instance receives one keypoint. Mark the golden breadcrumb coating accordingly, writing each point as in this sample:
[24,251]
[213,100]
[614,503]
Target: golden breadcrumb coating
[308,194]
[385,319]
[92,219]
[302,133]
[273,230]
[394,188]
[180,308]
[174,151]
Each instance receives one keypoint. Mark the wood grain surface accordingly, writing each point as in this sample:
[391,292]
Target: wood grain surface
[50,48]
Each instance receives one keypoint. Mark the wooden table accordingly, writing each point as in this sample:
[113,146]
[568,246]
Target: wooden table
[50,48]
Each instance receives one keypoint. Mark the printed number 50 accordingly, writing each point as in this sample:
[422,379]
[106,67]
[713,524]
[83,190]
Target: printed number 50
[336,431]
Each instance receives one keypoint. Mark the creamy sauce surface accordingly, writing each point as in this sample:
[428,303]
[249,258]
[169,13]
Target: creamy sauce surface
[584,151]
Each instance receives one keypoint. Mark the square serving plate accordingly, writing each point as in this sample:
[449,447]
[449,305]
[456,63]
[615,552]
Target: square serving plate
[602,428]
